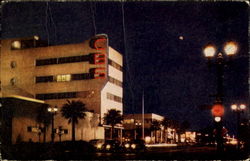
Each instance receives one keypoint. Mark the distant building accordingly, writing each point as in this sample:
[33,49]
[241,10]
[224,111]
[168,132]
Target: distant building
[133,124]
[189,137]
[90,71]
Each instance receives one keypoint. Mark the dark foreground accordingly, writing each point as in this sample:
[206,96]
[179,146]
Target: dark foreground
[82,151]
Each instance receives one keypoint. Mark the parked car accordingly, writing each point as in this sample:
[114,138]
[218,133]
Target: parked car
[97,144]
[134,146]
[111,146]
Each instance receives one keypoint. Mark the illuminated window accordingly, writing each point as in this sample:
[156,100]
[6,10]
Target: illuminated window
[128,121]
[63,78]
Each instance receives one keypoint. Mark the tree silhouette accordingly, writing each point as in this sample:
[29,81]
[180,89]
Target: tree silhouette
[112,118]
[176,125]
[183,128]
[155,125]
[166,123]
[73,110]
[43,118]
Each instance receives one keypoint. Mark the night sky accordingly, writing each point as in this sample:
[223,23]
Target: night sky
[172,71]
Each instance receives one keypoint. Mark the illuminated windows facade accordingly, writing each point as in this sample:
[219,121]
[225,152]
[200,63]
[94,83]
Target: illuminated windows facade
[63,78]
[86,71]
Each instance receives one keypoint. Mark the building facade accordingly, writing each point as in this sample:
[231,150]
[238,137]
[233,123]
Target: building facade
[133,124]
[90,71]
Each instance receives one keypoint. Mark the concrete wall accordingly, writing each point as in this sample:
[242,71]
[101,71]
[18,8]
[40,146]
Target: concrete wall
[107,104]
[26,71]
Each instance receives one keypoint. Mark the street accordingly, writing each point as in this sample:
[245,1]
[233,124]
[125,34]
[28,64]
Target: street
[151,153]
[185,152]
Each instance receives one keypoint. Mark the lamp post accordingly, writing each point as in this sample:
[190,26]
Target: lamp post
[230,48]
[53,111]
[238,109]
[137,125]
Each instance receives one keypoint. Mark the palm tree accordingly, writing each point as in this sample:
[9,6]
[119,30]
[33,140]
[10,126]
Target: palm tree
[112,118]
[184,126]
[166,123]
[43,117]
[73,110]
[155,125]
[176,125]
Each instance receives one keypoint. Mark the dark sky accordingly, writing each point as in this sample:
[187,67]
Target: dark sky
[173,73]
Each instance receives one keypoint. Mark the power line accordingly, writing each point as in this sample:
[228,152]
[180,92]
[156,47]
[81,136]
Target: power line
[93,11]
[46,20]
[125,53]
[53,23]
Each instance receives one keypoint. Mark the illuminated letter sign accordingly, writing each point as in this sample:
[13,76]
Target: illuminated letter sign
[97,58]
[99,43]
[98,73]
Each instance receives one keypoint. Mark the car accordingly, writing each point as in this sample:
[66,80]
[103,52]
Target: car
[111,146]
[97,144]
[134,146]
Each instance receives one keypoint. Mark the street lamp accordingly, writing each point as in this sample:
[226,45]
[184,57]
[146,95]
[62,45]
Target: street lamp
[137,125]
[210,51]
[217,119]
[238,109]
[53,111]
[230,48]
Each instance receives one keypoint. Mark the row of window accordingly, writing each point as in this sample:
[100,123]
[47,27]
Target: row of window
[29,43]
[115,65]
[48,96]
[114,97]
[115,81]
[64,77]
[62,60]
[41,130]
[94,73]
[132,121]
[93,58]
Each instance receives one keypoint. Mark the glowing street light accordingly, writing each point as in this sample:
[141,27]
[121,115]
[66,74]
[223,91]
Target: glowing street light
[137,125]
[231,48]
[53,111]
[209,51]
[234,107]
[242,107]
[238,109]
[217,119]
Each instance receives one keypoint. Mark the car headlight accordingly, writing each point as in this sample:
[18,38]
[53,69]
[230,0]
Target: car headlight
[99,146]
[133,146]
[127,145]
[108,146]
